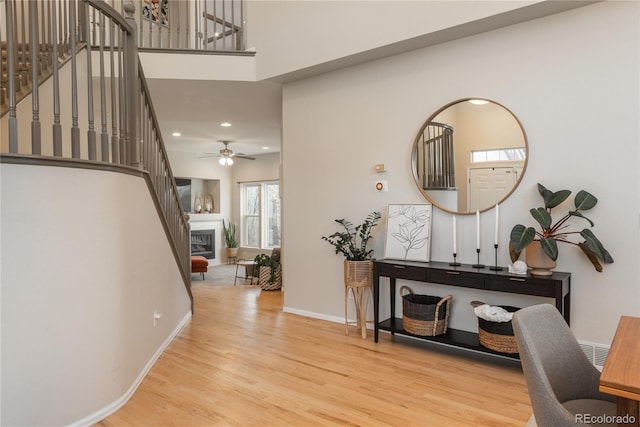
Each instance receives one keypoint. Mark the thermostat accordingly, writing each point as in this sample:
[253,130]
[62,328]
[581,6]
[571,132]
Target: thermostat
[382,186]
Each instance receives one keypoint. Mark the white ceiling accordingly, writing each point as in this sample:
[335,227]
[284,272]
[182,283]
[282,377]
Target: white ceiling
[195,108]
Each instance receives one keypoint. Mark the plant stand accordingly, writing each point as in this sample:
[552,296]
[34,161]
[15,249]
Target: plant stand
[360,299]
[232,254]
[358,277]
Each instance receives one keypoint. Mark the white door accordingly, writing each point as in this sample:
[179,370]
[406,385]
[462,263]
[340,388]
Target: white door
[488,185]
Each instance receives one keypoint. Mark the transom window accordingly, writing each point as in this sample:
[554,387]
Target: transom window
[498,155]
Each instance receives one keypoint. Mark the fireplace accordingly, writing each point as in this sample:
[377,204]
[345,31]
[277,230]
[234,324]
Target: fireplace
[203,243]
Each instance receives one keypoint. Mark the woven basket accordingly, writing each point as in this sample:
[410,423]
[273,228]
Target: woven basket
[424,315]
[497,336]
[265,275]
[358,273]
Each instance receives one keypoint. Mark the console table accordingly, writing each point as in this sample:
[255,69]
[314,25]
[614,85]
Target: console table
[556,286]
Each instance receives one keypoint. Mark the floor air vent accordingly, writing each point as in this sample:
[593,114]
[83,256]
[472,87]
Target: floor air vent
[596,353]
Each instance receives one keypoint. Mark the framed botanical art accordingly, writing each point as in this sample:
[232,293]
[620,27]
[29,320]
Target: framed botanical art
[409,232]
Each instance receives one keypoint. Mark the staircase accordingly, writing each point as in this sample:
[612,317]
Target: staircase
[65,55]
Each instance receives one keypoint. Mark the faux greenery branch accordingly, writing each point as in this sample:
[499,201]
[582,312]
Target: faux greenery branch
[551,233]
[352,242]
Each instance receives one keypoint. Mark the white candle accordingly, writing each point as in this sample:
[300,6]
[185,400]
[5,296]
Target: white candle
[497,214]
[477,229]
[454,235]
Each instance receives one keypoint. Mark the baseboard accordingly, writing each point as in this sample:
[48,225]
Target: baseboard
[313,315]
[319,316]
[117,404]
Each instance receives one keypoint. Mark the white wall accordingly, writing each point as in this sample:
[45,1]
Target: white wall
[76,341]
[571,79]
[198,67]
[319,33]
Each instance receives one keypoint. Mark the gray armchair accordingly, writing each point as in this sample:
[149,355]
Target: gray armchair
[561,380]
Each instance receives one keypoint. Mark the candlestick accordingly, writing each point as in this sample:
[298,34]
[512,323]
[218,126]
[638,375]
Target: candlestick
[454,235]
[495,267]
[478,265]
[455,263]
[478,230]
[495,242]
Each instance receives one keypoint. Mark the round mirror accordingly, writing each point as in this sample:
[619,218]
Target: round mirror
[469,156]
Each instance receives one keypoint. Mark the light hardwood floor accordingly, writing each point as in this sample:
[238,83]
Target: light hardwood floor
[241,361]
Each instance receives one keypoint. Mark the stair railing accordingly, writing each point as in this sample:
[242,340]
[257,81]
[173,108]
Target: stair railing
[436,158]
[119,125]
[205,25]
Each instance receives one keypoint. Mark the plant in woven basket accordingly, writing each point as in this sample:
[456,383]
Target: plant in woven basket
[229,234]
[353,240]
[551,233]
[264,260]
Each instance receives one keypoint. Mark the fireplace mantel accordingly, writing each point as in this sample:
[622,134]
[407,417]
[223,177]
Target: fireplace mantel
[193,217]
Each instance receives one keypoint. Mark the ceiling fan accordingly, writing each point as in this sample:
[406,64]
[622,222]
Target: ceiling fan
[227,155]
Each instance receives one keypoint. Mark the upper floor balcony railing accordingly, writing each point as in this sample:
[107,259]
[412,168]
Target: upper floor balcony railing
[203,25]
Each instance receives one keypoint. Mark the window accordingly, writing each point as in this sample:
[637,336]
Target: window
[260,214]
[497,155]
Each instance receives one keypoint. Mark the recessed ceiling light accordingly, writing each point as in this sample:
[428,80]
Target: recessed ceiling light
[478,101]
[176,134]
[265,148]
[225,124]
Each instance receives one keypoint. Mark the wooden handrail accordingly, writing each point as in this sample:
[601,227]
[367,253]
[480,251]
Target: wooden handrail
[113,14]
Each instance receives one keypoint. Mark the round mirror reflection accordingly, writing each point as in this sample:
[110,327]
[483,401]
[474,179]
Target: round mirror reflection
[469,156]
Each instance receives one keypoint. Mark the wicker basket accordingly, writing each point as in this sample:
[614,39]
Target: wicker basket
[358,273]
[265,275]
[424,315]
[497,336]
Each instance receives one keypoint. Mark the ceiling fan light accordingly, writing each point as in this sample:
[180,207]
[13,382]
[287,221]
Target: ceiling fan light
[225,161]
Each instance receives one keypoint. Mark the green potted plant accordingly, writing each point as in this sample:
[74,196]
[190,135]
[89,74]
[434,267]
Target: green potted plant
[346,241]
[352,242]
[230,239]
[269,271]
[551,232]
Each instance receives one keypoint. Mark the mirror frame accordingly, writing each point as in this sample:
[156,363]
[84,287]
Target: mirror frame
[414,160]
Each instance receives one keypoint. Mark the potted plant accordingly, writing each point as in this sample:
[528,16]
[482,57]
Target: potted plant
[553,232]
[230,239]
[352,242]
[269,271]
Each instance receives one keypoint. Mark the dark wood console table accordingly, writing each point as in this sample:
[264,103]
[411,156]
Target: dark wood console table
[556,286]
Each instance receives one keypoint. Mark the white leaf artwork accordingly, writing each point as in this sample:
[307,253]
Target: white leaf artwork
[408,232]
